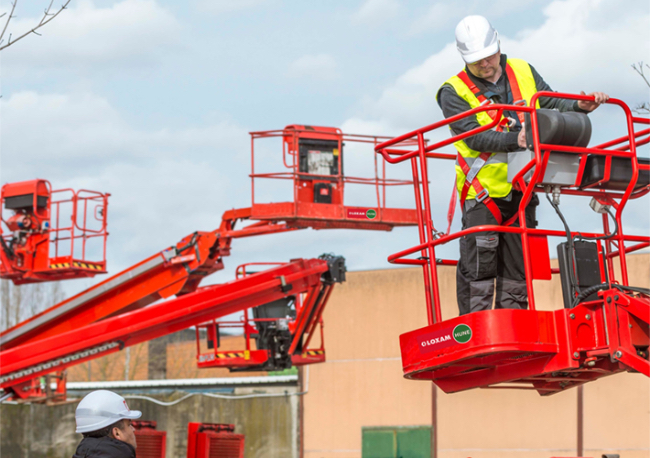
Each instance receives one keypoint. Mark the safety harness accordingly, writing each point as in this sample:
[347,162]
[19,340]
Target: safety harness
[471,180]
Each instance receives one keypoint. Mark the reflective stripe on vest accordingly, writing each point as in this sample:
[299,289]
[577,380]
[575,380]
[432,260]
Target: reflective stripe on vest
[493,175]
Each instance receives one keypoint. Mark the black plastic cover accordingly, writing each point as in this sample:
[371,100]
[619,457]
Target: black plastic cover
[337,268]
[556,128]
[322,193]
[587,269]
[619,176]
[24,201]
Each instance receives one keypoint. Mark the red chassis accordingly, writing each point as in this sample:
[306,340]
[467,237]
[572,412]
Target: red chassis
[548,351]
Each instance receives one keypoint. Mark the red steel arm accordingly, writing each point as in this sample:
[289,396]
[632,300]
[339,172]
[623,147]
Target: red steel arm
[30,360]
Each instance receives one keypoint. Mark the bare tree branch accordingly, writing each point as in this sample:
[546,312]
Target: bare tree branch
[642,108]
[639,69]
[47,17]
[11,15]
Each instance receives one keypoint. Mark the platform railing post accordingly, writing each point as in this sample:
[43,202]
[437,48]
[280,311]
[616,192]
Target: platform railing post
[628,192]
[429,232]
[379,206]
[252,169]
[608,250]
[425,266]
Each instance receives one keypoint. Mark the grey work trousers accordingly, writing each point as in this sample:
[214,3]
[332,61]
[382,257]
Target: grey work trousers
[489,256]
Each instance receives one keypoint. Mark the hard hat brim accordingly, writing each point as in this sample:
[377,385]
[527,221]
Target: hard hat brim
[482,54]
[103,423]
[133,415]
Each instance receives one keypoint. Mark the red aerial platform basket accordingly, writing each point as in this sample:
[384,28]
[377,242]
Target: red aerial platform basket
[52,234]
[278,334]
[314,157]
[604,327]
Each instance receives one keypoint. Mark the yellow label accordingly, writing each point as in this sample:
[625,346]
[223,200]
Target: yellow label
[336,151]
[247,355]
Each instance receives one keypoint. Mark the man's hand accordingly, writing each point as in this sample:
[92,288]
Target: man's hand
[521,139]
[588,105]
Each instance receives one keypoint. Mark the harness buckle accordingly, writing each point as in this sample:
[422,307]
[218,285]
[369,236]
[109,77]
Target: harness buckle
[481,196]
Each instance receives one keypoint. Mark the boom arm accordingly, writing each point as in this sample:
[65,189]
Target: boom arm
[25,362]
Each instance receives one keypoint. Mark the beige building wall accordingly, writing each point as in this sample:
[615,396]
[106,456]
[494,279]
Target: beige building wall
[361,384]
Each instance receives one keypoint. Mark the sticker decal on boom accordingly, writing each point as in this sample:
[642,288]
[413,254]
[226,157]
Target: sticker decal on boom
[362,213]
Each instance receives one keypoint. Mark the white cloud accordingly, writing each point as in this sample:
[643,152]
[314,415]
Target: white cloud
[321,67]
[131,32]
[444,15]
[227,6]
[582,45]
[375,12]
[166,182]
[437,16]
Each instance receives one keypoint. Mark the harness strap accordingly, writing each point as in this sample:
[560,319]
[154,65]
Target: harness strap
[482,194]
[464,77]
[471,173]
[514,88]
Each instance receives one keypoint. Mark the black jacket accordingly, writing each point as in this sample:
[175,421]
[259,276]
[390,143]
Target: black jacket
[104,447]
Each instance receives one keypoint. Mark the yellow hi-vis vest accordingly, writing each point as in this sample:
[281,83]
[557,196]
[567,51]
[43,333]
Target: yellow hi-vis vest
[493,176]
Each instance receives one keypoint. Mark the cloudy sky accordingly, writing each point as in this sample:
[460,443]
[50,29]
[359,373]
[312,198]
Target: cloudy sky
[152,101]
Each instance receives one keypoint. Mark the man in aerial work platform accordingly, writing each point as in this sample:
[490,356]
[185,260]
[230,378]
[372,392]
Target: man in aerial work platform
[486,197]
[104,419]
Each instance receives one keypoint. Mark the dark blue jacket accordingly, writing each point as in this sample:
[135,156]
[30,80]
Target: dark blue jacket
[104,447]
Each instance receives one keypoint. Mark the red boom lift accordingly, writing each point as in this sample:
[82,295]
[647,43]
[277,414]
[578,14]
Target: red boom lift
[604,327]
[118,311]
[40,245]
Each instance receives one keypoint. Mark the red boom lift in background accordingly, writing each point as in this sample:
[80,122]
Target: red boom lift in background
[286,301]
[604,327]
[44,227]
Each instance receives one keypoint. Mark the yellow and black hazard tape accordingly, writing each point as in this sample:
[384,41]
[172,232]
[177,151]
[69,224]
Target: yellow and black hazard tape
[77,264]
[239,354]
[313,353]
[63,265]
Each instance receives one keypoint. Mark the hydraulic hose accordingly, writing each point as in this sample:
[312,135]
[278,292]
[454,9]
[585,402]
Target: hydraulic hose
[602,237]
[569,237]
[592,289]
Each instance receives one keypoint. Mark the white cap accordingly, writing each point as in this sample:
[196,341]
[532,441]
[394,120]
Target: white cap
[476,39]
[100,409]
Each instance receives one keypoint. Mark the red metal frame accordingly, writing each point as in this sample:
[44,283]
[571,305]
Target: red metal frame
[308,320]
[302,211]
[151,442]
[546,351]
[25,362]
[50,247]
[205,440]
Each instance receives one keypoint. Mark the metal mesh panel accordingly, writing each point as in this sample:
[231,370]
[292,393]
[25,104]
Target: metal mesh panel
[226,446]
[151,444]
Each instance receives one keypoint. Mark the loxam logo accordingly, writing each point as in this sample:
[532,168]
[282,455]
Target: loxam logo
[435,340]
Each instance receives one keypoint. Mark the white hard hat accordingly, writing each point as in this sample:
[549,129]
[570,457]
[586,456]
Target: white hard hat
[476,39]
[100,409]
